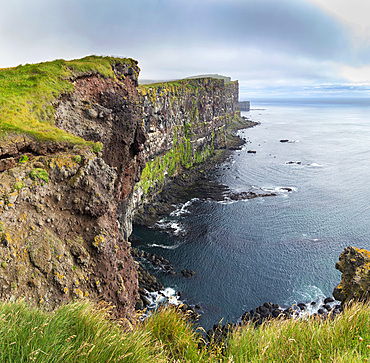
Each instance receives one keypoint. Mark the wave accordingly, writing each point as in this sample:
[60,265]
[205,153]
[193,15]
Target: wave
[316,165]
[156,298]
[183,208]
[227,201]
[174,227]
[312,296]
[168,295]
[164,246]
[279,190]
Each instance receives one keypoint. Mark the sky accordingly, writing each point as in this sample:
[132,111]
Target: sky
[275,48]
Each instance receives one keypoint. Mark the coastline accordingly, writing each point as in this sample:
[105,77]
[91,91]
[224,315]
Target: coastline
[193,182]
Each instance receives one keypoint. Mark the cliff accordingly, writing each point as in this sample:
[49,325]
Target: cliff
[75,138]
[354,263]
[185,122]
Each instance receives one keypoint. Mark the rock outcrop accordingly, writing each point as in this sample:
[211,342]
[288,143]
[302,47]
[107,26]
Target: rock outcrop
[64,221]
[354,264]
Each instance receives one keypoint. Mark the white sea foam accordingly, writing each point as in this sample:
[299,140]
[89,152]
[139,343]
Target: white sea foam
[183,208]
[156,298]
[172,226]
[164,246]
[307,295]
[168,295]
[280,190]
[315,165]
[227,201]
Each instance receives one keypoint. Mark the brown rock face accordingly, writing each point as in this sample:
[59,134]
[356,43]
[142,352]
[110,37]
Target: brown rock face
[185,122]
[109,111]
[354,264]
[63,215]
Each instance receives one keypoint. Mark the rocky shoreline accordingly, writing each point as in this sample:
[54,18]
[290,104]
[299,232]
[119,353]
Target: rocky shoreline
[328,309]
[197,182]
[192,183]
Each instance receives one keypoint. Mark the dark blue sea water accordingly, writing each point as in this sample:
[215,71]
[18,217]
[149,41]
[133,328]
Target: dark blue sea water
[284,248]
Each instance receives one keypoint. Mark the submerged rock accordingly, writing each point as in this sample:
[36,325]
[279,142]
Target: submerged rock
[187,273]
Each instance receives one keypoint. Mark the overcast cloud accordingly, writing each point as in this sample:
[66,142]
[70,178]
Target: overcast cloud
[272,47]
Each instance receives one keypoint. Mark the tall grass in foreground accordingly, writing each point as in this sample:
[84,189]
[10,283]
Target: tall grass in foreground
[81,332]
[343,339]
[73,333]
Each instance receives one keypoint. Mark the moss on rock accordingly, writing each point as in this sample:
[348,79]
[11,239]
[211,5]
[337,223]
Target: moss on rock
[354,263]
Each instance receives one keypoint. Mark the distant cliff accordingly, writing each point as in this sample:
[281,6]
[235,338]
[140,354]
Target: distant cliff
[82,147]
[244,106]
[184,122]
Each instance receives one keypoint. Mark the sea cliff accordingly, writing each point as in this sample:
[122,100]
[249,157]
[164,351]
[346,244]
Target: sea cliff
[82,148]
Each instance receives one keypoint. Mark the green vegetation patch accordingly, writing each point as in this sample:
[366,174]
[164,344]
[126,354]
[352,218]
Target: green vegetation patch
[77,159]
[39,173]
[18,185]
[28,92]
[23,159]
[98,146]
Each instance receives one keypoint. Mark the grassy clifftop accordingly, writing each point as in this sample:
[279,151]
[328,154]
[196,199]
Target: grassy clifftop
[27,94]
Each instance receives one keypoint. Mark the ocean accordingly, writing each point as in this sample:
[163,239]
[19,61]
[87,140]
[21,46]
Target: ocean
[281,248]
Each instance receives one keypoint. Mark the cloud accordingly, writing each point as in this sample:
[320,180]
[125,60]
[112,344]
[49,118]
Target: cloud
[259,42]
[356,74]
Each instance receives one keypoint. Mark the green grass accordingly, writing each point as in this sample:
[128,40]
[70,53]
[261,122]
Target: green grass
[28,92]
[343,339]
[81,332]
[73,333]
[178,338]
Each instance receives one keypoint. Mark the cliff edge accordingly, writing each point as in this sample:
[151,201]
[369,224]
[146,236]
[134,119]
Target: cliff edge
[62,191]
[82,147]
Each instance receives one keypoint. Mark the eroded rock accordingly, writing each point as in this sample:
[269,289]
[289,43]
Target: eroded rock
[354,263]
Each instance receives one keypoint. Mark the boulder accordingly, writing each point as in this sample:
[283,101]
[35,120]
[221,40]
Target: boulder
[354,263]
[328,300]
[302,306]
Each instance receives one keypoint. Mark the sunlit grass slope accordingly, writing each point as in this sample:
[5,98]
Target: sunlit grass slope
[80,332]
[27,93]
[343,339]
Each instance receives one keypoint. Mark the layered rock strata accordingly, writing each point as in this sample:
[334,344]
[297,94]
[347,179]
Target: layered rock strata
[185,122]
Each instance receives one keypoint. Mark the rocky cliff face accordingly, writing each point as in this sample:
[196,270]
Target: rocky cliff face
[62,211]
[354,264]
[66,208]
[185,122]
